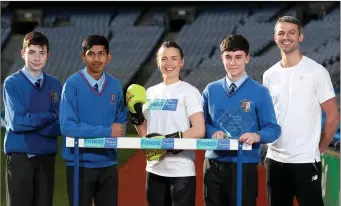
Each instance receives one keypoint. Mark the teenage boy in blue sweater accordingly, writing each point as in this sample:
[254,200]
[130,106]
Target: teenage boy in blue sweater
[236,107]
[92,105]
[31,99]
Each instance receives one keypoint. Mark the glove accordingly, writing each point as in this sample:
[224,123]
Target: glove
[175,135]
[154,154]
[157,154]
[135,98]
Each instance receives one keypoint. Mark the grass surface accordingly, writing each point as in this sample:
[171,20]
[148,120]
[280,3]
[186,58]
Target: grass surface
[60,194]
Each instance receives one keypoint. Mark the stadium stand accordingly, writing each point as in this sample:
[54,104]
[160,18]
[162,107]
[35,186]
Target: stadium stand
[159,19]
[202,54]
[125,19]
[2,110]
[128,51]
[5,27]
[265,13]
[49,20]
[325,49]
[97,21]
[132,46]
[199,39]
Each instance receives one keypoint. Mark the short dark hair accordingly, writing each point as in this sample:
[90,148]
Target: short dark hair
[36,38]
[94,40]
[289,19]
[234,42]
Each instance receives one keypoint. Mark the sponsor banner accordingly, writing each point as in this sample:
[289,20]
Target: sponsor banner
[101,143]
[213,144]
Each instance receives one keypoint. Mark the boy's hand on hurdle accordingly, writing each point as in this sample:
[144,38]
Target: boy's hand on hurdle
[249,138]
[117,130]
[219,135]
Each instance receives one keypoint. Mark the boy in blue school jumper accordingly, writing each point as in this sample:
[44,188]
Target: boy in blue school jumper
[31,99]
[236,106]
[92,105]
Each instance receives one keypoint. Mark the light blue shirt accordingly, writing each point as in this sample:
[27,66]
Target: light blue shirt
[33,80]
[93,81]
[237,83]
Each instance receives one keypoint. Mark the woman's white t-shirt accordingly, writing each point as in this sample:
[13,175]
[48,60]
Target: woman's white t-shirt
[167,110]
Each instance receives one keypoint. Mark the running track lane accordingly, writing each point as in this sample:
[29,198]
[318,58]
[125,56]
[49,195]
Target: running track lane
[132,181]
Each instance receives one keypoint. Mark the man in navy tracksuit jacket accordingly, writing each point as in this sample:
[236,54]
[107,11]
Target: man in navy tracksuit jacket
[31,99]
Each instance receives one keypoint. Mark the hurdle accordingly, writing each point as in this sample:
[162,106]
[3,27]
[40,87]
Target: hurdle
[157,143]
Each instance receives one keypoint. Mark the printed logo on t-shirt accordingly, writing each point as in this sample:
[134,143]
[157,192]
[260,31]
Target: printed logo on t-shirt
[162,104]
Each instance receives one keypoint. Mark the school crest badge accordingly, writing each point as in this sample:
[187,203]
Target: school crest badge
[246,105]
[112,99]
[54,97]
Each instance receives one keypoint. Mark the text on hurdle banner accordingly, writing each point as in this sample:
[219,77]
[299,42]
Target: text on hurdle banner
[158,143]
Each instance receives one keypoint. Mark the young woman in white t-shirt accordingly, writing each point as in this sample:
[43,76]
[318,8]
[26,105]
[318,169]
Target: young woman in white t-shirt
[174,109]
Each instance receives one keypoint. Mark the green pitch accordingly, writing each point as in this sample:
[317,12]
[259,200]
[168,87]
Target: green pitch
[60,195]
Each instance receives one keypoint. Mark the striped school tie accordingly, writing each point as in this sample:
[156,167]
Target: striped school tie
[232,88]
